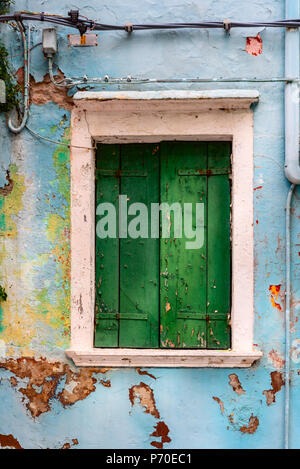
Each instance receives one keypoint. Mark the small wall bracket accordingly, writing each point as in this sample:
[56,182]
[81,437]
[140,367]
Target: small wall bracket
[227,26]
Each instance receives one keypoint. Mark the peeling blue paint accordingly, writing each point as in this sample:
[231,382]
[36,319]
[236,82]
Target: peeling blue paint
[183,397]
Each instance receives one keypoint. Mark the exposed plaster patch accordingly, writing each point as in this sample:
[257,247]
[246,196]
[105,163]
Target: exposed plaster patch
[161,431]
[69,445]
[277,361]
[105,382]
[235,383]
[254,45]
[252,425]
[144,393]
[7,189]
[220,402]
[13,381]
[83,384]
[45,91]
[277,382]
[43,378]
[9,442]
[66,446]
[140,372]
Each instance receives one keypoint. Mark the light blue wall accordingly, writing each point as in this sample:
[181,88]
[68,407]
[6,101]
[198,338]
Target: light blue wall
[35,239]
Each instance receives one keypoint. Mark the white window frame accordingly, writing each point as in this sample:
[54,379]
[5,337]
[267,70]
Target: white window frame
[127,117]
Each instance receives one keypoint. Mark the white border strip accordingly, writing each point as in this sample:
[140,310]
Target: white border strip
[149,116]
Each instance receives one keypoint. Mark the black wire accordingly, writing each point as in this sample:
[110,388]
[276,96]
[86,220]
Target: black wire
[67,21]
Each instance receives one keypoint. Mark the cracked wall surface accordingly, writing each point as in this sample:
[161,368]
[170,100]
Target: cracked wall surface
[45,402]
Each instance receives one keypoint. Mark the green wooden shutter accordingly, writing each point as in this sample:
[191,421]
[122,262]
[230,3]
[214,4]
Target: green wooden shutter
[145,283]
[195,284]
[127,272]
[183,272]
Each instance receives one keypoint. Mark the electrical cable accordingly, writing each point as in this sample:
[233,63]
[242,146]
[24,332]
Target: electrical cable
[63,82]
[77,21]
[26,45]
[35,134]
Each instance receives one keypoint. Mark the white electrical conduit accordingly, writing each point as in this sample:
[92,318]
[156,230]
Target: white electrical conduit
[70,82]
[26,45]
[288,311]
[61,83]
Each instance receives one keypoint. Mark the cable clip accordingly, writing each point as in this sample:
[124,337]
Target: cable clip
[128,27]
[73,14]
[92,25]
[81,28]
[18,16]
[227,26]
[42,15]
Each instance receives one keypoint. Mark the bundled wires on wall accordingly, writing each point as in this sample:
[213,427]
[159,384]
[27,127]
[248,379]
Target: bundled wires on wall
[80,22]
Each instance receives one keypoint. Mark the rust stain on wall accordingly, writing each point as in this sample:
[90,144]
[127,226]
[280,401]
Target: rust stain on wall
[220,402]
[161,430]
[235,383]
[275,289]
[144,393]
[9,441]
[276,382]
[7,189]
[252,425]
[45,91]
[43,378]
[254,45]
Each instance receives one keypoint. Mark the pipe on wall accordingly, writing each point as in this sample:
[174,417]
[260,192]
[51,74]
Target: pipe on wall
[292,166]
[288,312]
[292,173]
[26,45]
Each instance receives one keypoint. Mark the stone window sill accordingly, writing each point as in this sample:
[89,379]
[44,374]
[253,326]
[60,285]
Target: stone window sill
[163,358]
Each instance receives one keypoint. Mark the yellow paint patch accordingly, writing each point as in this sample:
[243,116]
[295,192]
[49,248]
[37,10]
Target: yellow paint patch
[12,203]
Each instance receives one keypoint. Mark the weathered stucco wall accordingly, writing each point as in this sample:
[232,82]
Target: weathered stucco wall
[44,401]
